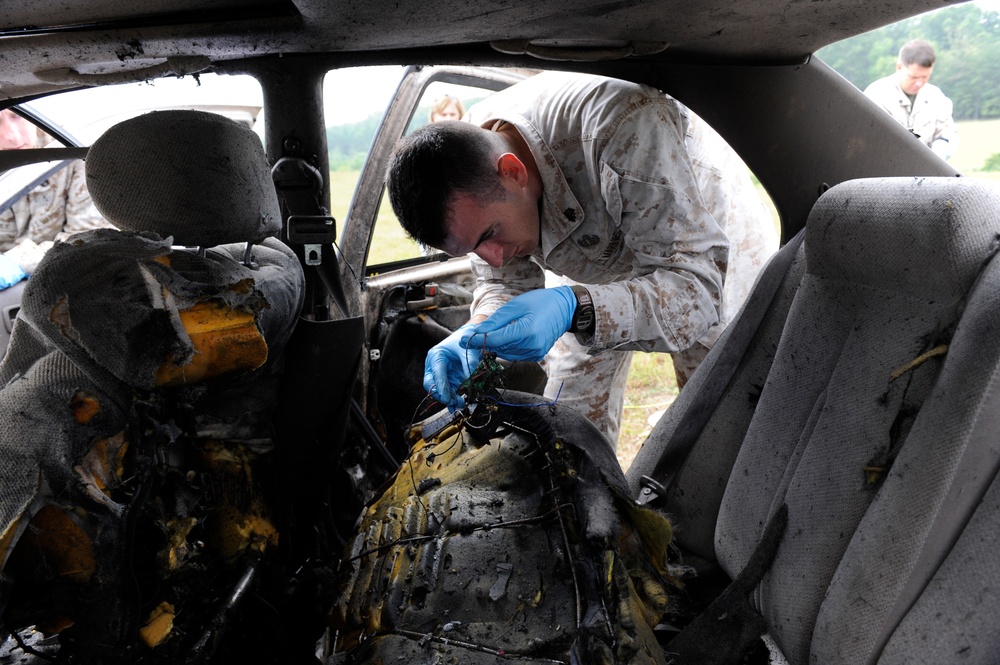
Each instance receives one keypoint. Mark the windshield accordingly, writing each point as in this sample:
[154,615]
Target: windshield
[86,114]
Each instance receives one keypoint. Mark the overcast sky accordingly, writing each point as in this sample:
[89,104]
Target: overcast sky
[351,95]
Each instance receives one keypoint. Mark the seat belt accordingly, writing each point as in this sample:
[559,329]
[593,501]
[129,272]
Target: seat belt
[701,408]
[310,232]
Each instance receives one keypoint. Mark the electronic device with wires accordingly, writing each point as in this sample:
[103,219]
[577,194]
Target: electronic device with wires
[481,392]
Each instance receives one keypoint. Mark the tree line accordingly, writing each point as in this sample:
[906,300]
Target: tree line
[348,145]
[966,41]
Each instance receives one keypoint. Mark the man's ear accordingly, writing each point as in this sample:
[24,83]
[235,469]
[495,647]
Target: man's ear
[511,169]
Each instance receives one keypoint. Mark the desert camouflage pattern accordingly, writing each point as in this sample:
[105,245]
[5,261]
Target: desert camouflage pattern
[59,207]
[645,205]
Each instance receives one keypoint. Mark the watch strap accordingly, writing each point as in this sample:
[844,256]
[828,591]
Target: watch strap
[584,317]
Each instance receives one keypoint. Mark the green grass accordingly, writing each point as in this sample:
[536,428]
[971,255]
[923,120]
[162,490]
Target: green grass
[977,140]
[651,388]
[391,242]
[342,185]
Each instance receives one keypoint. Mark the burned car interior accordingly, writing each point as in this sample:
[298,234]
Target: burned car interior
[217,447]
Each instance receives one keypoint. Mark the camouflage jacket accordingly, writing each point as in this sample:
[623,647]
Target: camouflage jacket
[55,209]
[728,191]
[621,210]
[928,116]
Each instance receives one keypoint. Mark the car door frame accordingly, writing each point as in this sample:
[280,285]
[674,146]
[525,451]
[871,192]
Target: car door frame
[377,281]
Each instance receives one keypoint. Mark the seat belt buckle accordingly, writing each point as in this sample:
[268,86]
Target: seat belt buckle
[312,232]
[650,491]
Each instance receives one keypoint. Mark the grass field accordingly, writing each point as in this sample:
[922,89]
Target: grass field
[651,386]
[977,140]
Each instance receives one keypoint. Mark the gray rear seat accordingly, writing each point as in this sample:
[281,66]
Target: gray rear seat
[693,498]
[890,546]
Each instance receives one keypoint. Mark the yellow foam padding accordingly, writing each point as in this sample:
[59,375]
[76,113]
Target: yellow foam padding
[240,524]
[9,537]
[85,406]
[232,532]
[225,341]
[62,544]
[103,465]
[173,556]
[654,529]
[159,625]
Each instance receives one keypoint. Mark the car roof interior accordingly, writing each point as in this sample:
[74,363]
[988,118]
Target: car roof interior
[115,35]
[739,49]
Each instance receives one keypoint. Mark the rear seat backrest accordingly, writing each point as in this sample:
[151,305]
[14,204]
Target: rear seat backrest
[889,265]
[919,580]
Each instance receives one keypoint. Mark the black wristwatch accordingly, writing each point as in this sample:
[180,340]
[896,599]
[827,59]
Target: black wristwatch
[584,318]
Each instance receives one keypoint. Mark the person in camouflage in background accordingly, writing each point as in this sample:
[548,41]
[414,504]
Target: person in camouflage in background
[55,209]
[916,103]
[635,209]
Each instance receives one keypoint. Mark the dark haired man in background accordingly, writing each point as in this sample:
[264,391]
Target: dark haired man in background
[909,97]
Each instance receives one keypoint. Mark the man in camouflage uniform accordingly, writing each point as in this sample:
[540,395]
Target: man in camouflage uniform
[603,183]
[915,103]
[55,209]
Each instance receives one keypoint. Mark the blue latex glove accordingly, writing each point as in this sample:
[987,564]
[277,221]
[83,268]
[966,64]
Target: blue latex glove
[527,326]
[10,272]
[448,365]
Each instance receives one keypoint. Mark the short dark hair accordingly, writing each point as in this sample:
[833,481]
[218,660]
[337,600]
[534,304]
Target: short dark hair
[430,166]
[917,52]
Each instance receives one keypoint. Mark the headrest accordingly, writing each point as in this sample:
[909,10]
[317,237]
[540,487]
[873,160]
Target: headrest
[927,237]
[199,177]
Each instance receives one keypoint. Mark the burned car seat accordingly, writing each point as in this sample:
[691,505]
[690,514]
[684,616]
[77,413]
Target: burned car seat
[137,399]
[875,424]
[523,545]
[10,304]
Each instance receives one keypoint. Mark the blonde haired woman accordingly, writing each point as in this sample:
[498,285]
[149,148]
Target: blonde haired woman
[447,108]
